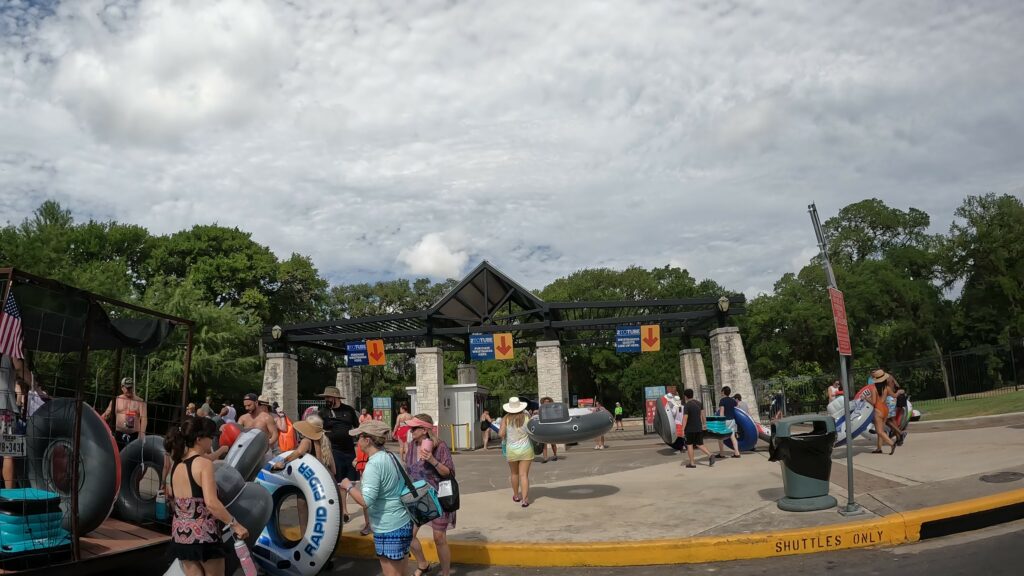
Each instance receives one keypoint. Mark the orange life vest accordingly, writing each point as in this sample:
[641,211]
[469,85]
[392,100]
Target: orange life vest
[286,438]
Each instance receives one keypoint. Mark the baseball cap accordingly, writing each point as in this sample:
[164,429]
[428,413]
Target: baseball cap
[252,396]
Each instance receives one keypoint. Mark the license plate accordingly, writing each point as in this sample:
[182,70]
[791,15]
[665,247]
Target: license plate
[12,446]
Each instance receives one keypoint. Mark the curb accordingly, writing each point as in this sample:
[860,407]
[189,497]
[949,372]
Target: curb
[889,530]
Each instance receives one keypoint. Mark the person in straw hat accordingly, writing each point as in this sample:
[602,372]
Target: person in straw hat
[885,386]
[518,448]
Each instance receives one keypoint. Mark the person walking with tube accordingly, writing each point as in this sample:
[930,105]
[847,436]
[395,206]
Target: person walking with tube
[380,492]
[518,449]
[197,509]
[430,459]
[884,387]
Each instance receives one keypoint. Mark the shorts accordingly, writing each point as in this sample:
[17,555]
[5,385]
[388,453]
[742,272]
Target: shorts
[393,545]
[343,466]
[731,425]
[124,438]
[695,438]
[618,417]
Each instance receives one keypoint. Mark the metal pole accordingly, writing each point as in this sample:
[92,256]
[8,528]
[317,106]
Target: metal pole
[851,508]
[76,442]
[188,369]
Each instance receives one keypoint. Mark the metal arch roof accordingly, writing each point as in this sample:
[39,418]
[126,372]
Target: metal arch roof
[486,296]
[487,300]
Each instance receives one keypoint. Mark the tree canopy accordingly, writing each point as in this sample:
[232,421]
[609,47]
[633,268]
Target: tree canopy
[909,293]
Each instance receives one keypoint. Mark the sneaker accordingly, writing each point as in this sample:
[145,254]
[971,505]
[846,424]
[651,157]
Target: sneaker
[711,460]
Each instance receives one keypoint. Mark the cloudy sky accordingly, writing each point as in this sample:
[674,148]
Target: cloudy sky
[388,138]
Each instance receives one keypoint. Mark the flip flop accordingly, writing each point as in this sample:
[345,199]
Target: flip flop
[365,531]
[517,498]
[424,571]
[526,503]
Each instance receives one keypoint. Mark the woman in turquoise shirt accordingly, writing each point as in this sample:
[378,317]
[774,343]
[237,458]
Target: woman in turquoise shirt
[380,494]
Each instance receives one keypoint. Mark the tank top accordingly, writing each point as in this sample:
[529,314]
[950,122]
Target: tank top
[193,523]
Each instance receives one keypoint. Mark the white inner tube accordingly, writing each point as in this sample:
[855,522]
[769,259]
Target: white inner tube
[276,551]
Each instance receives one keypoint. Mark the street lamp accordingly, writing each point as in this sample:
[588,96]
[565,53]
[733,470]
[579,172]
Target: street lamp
[723,308]
[276,332]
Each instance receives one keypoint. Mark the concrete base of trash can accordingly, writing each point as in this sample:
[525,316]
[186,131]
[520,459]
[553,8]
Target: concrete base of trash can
[807,504]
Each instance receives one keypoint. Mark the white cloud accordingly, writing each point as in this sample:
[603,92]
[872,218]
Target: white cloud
[436,255]
[554,135]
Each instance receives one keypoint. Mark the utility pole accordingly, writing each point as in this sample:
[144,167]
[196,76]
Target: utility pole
[851,508]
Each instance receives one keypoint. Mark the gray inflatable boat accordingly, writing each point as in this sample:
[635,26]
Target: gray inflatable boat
[556,426]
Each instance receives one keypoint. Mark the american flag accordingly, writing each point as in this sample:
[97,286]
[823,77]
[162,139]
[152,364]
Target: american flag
[10,328]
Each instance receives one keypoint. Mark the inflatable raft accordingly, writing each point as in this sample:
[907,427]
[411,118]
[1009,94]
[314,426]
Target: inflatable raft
[137,457]
[556,425]
[862,414]
[748,432]
[291,552]
[49,446]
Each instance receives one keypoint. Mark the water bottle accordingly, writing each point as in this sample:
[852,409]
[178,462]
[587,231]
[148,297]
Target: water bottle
[161,506]
[244,559]
[428,445]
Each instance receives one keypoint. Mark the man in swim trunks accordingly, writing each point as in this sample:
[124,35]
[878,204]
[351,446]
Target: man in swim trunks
[129,414]
[257,415]
[694,424]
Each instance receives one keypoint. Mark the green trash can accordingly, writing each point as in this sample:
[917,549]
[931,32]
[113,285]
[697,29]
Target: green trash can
[806,460]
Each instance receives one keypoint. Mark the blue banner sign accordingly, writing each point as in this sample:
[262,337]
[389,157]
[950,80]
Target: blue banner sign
[653,392]
[481,346]
[357,354]
[627,339]
[381,403]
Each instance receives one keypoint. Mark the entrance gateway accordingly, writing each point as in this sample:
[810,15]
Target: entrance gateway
[489,308]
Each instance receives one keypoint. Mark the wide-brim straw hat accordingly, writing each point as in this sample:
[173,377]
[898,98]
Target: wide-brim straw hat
[332,392]
[371,427]
[879,376]
[417,423]
[309,430]
[514,405]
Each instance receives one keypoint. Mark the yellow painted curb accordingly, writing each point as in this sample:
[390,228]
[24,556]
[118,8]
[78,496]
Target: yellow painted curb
[889,530]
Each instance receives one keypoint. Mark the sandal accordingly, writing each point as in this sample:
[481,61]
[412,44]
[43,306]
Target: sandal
[366,531]
[879,451]
[526,503]
[345,518]
[517,498]
[424,571]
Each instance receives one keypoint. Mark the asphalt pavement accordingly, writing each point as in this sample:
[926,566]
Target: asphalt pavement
[995,551]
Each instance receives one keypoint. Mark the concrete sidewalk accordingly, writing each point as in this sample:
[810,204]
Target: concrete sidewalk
[638,490]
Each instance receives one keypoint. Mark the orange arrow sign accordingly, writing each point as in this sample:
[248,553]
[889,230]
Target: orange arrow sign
[375,350]
[652,338]
[503,347]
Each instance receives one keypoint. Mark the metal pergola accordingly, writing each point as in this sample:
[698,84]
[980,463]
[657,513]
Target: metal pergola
[488,301]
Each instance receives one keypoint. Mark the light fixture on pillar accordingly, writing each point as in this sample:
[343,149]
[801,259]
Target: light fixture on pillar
[275,332]
[723,309]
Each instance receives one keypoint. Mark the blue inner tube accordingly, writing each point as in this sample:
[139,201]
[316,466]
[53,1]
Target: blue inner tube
[49,446]
[746,432]
[308,479]
[862,414]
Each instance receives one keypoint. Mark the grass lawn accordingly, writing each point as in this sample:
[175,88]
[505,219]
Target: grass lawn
[967,407]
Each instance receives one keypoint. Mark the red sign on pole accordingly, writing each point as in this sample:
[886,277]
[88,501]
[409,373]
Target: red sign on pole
[842,329]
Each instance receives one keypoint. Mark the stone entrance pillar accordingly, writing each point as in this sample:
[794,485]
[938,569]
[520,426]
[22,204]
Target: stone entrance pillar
[730,364]
[429,380]
[281,381]
[349,381]
[467,374]
[550,375]
[691,369]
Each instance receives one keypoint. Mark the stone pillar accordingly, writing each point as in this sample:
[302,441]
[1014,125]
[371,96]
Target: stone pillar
[281,381]
[550,375]
[349,381]
[730,364]
[429,381]
[467,374]
[691,369]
